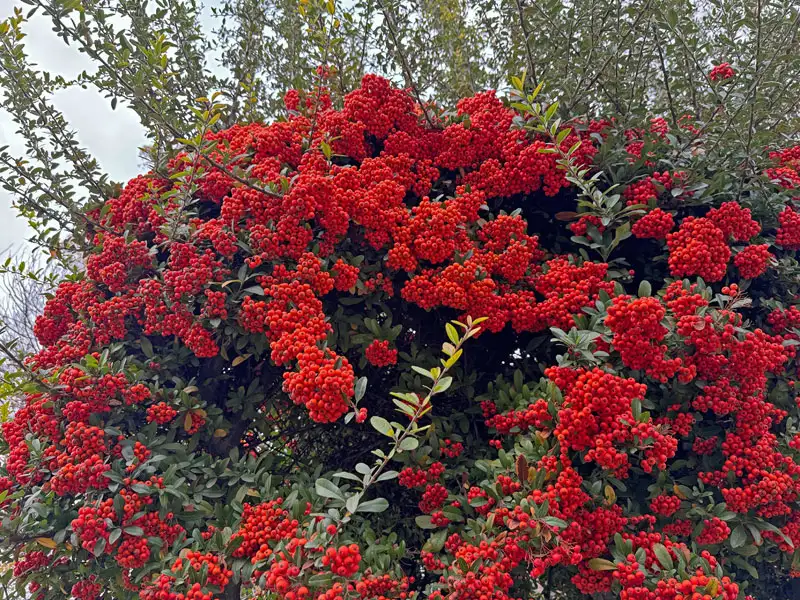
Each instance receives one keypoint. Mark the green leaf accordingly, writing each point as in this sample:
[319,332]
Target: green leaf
[738,536]
[352,503]
[551,110]
[361,388]
[562,135]
[422,371]
[321,580]
[374,506]
[754,531]
[386,475]
[381,425]
[424,522]
[740,562]
[601,564]
[766,526]
[404,407]
[442,385]
[672,17]
[112,539]
[555,522]
[326,149]
[328,489]
[436,542]
[452,334]
[621,233]
[409,443]
[663,556]
[645,289]
[636,408]
[747,550]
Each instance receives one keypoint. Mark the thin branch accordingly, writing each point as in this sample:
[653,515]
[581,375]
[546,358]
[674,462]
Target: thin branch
[363,53]
[526,35]
[620,109]
[314,120]
[751,123]
[46,190]
[390,22]
[665,74]
[756,82]
[639,61]
[9,354]
[791,80]
[47,113]
[95,55]
[786,114]
[579,88]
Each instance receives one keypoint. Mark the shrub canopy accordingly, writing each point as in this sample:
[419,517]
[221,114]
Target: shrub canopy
[391,350]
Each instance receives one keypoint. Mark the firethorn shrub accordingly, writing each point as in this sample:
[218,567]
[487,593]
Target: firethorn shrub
[589,336]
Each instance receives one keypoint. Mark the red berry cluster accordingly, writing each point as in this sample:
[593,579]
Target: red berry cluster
[639,336]
[596,418]
[31,561]
[753,261]
[698,248]
[640,192]
[261,524]
[734,221]
[537,415]
[161,413]
[789,231]
[721,72]
[786,173]
[371,228]
[434,497]
[450,449]
[86,589]
[91,525]
[383,586]
[379,354]
[343,561]
[655,224]
[580,227]
[665,505]
[715,530]
[216,572]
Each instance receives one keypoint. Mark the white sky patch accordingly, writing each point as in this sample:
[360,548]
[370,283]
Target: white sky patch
[113,137]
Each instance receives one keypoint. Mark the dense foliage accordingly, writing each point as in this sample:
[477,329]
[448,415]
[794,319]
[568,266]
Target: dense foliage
[214,410]
[634,59]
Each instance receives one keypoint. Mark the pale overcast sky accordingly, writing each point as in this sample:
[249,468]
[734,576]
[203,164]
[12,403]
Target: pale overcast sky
[113,137]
